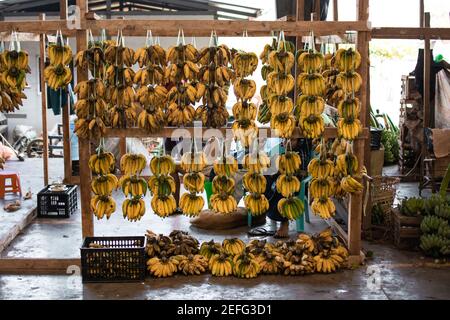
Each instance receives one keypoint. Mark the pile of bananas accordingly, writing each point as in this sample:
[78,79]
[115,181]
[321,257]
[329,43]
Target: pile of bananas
[119,80]
[102,164]
[244,127]
[311,87]
[223,184]
[349,81]
[288,185]
[213,84]
[280,83]
[180,253]
[57,74]
[133,185]
[162,185]
[193,163]
[323,185]
[435,239]
[151,94]
[13,70]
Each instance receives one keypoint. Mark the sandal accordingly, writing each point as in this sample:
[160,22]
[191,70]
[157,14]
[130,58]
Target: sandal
[260,232]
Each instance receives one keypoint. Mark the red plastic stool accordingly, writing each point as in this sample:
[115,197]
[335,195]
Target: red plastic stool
[13,186]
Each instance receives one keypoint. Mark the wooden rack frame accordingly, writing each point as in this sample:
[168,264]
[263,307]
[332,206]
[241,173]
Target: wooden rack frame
[133,27]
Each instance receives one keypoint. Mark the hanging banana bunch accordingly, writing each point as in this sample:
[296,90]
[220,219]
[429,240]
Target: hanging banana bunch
[311,87]
[223,184]
[151,95]
[244,127]
[119,79]
[192,202]
[330,72]
[102,164]
[57,74]
[162,185]
[280,83]
[181,73]
[347,173]
[13,70]
[349,81]
[322,186]
[288,185]
[133,186]
[255,182]
[213,84]
[91,107]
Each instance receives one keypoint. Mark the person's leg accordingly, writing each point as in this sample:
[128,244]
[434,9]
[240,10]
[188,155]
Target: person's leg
[273,196]
[283,230]
[176,195]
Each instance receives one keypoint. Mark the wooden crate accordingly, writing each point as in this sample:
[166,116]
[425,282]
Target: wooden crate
[406,230]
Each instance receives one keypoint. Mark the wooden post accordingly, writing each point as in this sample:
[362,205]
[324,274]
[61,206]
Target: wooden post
[356,200]
[43,101]
[426,90]
[317,10]
[66,115]
[335,10]
[87,218]
[421,13]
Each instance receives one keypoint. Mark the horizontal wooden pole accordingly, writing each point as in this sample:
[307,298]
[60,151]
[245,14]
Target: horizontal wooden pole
[37,265]
[410,33]
[171,27]
[222,27]
[190,132]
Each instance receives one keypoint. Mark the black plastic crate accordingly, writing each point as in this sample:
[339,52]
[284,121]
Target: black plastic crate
[113,259]
[57,204]
[375,138]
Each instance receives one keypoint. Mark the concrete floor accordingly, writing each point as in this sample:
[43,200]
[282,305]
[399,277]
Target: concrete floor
[390,274]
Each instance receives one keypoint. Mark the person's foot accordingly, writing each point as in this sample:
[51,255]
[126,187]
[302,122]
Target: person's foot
[283,231]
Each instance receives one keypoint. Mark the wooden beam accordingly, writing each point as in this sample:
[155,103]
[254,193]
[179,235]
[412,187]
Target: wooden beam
[426,91]
[317,10]
[48,27]
[410,33]
[191,131]
[421,13]
[43,102]
[84,146]
[63,9]
[37,266]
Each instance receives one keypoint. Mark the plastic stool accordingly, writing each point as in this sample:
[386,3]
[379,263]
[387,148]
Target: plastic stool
[13,186]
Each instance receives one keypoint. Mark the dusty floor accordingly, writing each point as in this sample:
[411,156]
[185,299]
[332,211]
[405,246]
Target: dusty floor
[390,274]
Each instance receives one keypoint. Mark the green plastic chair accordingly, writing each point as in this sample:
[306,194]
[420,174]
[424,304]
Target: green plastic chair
[208,190]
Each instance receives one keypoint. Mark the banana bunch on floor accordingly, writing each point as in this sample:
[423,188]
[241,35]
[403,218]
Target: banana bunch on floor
[57,74]
[151,94]
[13,70]
[133,185]
[280,83]
[213,84]
[223,184]
[349,82]
[162,185]
[91,109]
[311,87]
[244,127]
[119,79]
[102,164]
[322,185]
[255,182]
[288,185]
[193,163]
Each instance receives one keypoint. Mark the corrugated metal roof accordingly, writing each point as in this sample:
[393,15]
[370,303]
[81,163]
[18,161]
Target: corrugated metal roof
[220,9]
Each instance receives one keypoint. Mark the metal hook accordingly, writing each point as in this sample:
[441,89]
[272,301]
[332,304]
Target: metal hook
[149,39]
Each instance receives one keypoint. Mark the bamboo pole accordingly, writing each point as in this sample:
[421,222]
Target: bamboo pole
[43,101]
[426,92]
[87,219]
